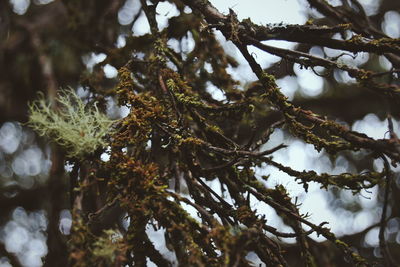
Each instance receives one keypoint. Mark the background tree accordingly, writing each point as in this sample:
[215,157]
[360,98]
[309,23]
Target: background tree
[141,188]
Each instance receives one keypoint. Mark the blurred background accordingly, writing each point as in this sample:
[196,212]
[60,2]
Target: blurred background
[46,45]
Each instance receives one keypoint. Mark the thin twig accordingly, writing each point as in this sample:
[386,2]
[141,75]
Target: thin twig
[389,261]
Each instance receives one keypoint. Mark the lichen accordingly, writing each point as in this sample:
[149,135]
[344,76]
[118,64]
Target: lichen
[79,129]
[110,246]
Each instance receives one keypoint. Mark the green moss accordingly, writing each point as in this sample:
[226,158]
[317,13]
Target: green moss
[187,100]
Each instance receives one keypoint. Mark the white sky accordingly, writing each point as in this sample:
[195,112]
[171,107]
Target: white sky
[264,11]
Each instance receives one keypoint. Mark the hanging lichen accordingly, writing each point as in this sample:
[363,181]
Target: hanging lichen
[79,129]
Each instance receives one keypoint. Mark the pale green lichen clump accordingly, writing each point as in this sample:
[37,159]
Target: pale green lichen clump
[109,245]
[77,128]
